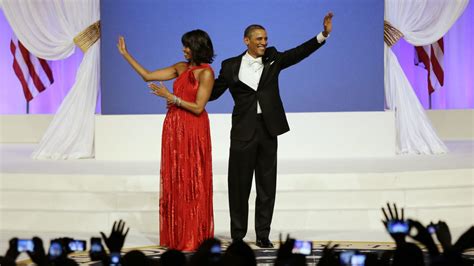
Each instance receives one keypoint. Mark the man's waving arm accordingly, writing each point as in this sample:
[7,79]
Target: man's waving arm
[295,55]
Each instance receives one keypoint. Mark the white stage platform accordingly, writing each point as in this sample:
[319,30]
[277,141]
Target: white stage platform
[334,198]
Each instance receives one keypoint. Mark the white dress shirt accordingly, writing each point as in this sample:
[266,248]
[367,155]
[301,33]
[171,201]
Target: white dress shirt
[251,70]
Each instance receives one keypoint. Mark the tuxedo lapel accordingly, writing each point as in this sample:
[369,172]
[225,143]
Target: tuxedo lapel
[266,67]
[236,67]
[264,75]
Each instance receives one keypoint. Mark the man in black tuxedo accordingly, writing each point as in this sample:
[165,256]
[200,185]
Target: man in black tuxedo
[257,119]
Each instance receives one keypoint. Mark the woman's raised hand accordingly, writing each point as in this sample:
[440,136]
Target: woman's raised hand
[121,46]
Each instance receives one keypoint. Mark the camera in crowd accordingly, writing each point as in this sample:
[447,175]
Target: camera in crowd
[25,245]
[302,247]
[351,258]
[398,227]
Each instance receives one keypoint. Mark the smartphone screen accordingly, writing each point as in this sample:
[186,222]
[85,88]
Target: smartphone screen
[358,260]
[55,249]
[216,249]
[432,229]
[96,244]
[302,247]
[77,245]
[400,227]
[115,259]
[345,257]
[25,245]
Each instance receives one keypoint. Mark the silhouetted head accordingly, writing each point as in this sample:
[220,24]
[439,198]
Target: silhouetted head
[239,254]
[207,254]
[134,257]
[408,254]
[173,258]
[197,47]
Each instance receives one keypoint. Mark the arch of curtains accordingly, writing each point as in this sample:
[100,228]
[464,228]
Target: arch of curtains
[48,28]
[51,29]
[419,22]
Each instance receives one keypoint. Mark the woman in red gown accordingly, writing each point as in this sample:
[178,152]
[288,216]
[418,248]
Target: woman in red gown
[186,210]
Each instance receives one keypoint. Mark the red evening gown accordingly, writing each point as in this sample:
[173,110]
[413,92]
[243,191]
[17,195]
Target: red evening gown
[186,210]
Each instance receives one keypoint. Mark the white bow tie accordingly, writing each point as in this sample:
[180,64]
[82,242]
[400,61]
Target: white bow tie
[255,63]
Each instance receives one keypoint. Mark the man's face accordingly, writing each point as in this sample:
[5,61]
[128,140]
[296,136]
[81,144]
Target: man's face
[257,42]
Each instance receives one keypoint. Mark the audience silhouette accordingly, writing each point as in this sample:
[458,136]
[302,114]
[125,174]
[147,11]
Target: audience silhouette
[239,253]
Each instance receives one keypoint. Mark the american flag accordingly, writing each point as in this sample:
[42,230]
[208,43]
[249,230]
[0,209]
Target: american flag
[432,58]
[34,73]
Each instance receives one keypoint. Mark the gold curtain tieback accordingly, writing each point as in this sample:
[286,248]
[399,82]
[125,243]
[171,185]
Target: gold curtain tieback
[390,34]
[88,37]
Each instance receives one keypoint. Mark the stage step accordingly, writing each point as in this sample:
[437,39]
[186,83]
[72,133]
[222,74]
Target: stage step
[317,201]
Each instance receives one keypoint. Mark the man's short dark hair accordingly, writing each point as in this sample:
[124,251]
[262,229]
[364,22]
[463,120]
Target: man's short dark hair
[200,44]
[251,28]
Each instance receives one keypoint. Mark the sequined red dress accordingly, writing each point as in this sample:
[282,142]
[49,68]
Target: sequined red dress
[186,210]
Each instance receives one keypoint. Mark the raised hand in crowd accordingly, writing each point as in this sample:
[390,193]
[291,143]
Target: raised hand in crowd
[394,216]
[38,255]
[465,241]
[443,234]
[288,254]
[59,250]
[97,250]
[12,253]
[116,239]
[424,237]
[329,257]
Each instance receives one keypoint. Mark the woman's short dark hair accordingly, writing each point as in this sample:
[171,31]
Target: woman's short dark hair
[201,46]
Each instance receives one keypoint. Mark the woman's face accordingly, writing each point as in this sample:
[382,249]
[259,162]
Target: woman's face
[187,53]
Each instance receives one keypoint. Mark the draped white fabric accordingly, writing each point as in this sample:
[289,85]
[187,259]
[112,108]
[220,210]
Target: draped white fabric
[422,22]
[47,29]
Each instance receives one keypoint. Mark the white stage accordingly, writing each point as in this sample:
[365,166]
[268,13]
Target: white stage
[337,197]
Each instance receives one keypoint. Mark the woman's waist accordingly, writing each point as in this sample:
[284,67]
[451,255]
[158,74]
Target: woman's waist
[179,111]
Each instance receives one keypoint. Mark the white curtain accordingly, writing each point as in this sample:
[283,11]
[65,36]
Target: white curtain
[47,29]
[422,22]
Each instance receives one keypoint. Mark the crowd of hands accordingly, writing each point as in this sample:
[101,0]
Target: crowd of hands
[410,237]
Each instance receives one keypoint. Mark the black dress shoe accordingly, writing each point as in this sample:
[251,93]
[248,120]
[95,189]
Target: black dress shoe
[264,243]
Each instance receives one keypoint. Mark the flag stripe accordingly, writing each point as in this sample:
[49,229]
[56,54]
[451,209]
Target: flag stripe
[26,56]
[437,55]
[34,73]
[437,69]
[423,56]
[47,69]
[432,58]
[441,44]
[35,61]
[24,69]
[19,74]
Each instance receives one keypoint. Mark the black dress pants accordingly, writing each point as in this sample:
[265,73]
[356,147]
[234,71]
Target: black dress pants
[258,155]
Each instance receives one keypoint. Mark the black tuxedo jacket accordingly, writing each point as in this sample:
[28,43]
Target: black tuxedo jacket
[244,114]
